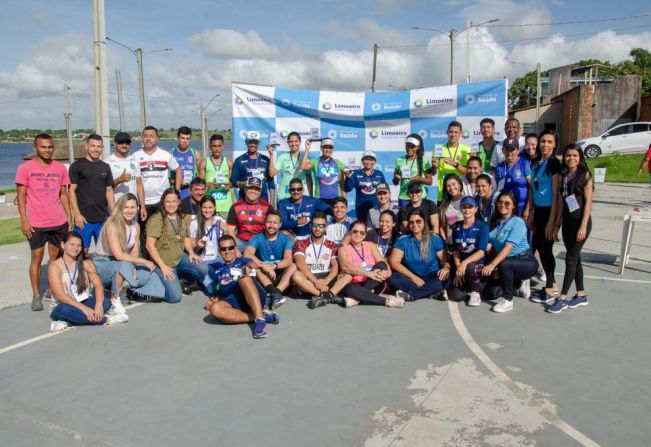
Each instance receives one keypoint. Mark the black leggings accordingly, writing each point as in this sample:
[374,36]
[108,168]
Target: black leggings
[366,292]
[544,246]
[573,266]
[473,279]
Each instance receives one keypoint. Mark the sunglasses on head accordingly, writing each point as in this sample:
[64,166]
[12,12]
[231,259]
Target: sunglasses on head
[227,248]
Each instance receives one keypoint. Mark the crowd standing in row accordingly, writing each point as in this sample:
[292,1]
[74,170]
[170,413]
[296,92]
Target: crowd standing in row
[165,224]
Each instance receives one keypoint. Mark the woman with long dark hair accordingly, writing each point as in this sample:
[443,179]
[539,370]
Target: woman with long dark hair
[575,201]
[511,254]
[450,210]
[385,236]
[412,168]
[543,201]
[77,290]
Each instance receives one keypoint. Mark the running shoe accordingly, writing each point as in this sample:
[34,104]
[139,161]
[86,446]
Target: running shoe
[317,301]
[334,299]
[350,302]
[260,328]
[404,295]
[277,300]
[186,289]
[578,301]
[271,318]
[474,299]
[115,319]
[502,305]
[37,304]
[525,289]
[558,306]
[116,307]
[395,302]
[543,297]
[58,326]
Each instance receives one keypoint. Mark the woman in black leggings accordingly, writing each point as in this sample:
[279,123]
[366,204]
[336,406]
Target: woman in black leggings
[543,199]
[576,202]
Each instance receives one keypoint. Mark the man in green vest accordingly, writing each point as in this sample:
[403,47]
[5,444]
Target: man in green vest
[216,171]
[453,157]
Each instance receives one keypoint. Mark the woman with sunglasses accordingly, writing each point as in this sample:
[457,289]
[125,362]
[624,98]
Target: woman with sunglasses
[167,237]
[368,271]
[412,168]
[510,251]
[575,201]
[543,200]
[419,262]
[385,236]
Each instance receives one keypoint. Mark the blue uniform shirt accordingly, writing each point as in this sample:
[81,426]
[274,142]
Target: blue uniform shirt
[468,240]
[541,180]
[270,251]
[223,276]
[514,178]
[244,167]
[365,187]
[290,212]
[410,246]
[512,231]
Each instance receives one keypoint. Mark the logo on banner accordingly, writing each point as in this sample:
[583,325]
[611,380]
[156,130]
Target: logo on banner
[422,133]
[374,133]
[341,107]
[376,106]
[332,134]
[466,134]
[286,102]
[434,134]
[238,100]
[283,133]
[418,103]
[327,106]
[470,99]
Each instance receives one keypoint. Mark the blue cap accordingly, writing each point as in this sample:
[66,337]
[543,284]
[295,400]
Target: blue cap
[468,200]
[254,181]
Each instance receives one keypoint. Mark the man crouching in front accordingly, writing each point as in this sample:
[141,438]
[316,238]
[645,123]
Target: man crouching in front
[241,296]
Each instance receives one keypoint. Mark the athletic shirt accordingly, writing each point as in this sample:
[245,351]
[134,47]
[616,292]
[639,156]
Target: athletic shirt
[401,166]
[131,233]
[452,216]
[219,174]
[360,257]
[317,256]
[364,186]
[153,171]
[326,177]
[514,178]
[338,230]
[188,162]
[541,180]
[410,246]
[489,157]
[118,166]
[212,232]
[512,231]
[248,218]
[288,167]
[67,278]
[485,209]
[384,245]
[226,278]
[270,251]
[468,240]
[459,154]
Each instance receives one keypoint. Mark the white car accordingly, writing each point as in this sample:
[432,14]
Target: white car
[629,137]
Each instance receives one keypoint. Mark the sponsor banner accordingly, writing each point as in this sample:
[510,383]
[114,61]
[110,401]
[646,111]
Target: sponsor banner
[386,105]
[347,135]
[341,105]
[387,135]
[481,99]
[471,134]
[242,125]
[434,101]
[433,130]
[296,103]
[302,125]
[253,100]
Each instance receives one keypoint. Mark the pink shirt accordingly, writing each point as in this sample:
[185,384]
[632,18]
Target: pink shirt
[360,257]
[43,184]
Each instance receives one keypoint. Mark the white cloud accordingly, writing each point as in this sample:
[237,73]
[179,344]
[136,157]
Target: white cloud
[228,43]
[510,12]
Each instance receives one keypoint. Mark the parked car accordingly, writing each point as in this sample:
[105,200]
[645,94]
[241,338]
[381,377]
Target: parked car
[629,137]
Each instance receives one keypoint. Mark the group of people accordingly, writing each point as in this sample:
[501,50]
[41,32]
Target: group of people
[165,224]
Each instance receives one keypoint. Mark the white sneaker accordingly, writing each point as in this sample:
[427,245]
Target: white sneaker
[58,326]
[502,306]
[350,302]
[395,301]
[525,289]
[116,307]
[115,319]
[543,277]
[474,299]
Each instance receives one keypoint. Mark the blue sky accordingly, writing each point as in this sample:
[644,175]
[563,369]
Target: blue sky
[317,44]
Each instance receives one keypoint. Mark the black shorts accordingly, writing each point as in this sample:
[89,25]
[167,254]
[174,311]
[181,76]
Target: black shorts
[53,235]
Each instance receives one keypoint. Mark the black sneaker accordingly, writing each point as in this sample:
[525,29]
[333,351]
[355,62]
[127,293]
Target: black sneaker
[37,303]
[334,299]
[317,301]
[186,289]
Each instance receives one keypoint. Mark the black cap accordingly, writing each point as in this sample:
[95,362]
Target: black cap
[414,186]
[122,137]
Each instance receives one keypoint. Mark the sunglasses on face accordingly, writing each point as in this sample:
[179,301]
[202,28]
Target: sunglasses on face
[295,189]
[360,232]
[415,192]
[504,203]
[318,225]
[228,248]
[415,222]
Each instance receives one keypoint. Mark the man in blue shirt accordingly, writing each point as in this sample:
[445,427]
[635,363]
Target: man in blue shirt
[241,298]
[296,211]
[364,181]
[253,164]
[271,254]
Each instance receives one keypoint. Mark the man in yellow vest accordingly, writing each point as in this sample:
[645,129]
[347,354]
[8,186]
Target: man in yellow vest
[451,158]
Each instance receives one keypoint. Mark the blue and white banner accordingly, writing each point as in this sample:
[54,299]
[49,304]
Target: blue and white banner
[359,121]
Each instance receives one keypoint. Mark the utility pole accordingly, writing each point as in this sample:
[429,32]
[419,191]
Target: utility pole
[102,126]
[374,67]
[538,95]
[141,88]
[468,58]
[453,36]
[68,116]
[204,125]
[118,81]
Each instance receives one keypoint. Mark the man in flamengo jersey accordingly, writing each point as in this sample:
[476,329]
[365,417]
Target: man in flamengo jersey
[247,216]
[287,165]
[297,210]
[216,171]
[43,207]
[189,160]
[126,171]
[454,158]
[317,266]
[364,181]
[253,164]
[327,172]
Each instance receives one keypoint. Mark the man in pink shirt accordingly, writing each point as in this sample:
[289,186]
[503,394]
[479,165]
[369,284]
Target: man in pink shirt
[43,206]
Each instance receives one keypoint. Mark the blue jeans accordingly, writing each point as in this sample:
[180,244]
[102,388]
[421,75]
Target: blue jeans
[90,231]
[138,277]
[183,270]
[432,286]
[72,315]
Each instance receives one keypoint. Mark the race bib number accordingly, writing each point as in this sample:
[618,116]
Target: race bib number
[319,268]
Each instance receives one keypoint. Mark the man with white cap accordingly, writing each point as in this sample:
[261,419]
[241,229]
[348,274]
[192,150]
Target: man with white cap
[364,181]
[327,172]
[253,164]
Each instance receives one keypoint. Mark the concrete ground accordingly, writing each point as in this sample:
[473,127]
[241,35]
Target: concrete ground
[434,373]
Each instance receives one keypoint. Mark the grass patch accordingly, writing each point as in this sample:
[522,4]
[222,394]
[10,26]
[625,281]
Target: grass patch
[6,190]
[621,168]
[11,231]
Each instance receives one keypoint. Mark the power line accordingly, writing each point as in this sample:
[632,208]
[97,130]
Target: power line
[573,22]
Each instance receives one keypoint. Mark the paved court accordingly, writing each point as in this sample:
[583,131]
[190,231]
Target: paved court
[434,373]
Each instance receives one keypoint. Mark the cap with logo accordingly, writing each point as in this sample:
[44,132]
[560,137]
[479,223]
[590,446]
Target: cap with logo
[369,154]
[122,137]
[382,187]
[254,181]
[252,135]
[327,142]
[468,200]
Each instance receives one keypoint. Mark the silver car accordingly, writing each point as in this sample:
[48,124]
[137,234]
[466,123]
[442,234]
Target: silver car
[629,137]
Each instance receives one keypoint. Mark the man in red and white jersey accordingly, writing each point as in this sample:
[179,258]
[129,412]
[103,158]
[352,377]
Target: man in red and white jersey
[247,216]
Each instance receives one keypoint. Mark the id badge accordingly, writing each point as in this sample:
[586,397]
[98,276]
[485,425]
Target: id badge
[219,178]
[211,251]
[572,204]
[187,177]
[405,172]
[500,185]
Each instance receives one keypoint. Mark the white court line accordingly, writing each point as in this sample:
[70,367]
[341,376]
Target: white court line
[29,341]
[605,278]
[510,384]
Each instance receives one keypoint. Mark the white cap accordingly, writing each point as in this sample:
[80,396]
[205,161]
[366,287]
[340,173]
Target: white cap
[413,141]
[369,154]
[252,135]
[327,142]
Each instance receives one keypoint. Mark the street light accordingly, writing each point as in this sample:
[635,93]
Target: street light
[204,125]
[538,92]
[141,82]
[452,35]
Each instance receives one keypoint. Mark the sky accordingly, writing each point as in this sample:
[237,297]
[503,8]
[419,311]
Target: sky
[320,44]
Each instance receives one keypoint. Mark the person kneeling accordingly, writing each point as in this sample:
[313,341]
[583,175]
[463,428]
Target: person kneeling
[419,262]
[72,276]
[241,299]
